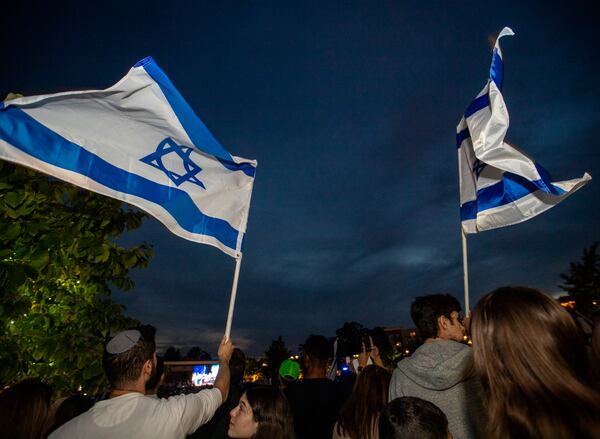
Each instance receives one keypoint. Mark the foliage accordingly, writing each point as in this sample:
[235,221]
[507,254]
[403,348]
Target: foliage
[197,354]
[582,281]
[58,262]
[172,354]
[349,338]
[274,356]
[351,335]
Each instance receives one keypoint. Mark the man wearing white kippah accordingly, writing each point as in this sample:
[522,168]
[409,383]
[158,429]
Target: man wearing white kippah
[129,361]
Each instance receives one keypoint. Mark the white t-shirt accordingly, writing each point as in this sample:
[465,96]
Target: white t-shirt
[134,415]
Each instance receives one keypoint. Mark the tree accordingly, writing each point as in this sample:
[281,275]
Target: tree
[172,354]
[58,262]
[349,339]
[197,354]
[274,356]
[582,281]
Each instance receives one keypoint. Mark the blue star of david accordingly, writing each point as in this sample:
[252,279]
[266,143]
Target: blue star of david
[478,167]
[169,146]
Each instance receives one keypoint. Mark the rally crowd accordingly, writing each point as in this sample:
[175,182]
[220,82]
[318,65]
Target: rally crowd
[529,374]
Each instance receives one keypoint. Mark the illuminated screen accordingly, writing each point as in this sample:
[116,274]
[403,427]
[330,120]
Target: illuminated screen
[205,374]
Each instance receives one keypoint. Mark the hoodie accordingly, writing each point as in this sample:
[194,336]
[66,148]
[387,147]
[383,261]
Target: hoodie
[442,372]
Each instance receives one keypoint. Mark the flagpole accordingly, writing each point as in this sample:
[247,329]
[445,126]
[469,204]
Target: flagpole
[236,275]
[465,272]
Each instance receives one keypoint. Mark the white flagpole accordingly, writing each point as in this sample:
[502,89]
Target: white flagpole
[238,263]
[465,271]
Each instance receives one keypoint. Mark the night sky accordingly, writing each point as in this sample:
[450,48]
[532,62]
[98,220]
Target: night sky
[350,109]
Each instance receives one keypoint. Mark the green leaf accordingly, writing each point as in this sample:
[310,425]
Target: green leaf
[39,259]
[14,199]
[11,232]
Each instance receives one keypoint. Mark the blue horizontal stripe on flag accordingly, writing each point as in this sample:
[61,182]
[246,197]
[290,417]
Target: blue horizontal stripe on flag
[460,137]
[479,103]
[25,133]
[193,126]
[512,188]
[468,210]
[497,70]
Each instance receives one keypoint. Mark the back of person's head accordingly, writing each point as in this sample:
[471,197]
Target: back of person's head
[237,365]
[23,409]
[413,418]
[530,356]
[426,310]
[70,408]
[157,375]
[126,353]
[272,412]
[318,349]
[359,414]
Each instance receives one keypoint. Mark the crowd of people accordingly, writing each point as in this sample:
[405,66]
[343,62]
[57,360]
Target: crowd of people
[528,374]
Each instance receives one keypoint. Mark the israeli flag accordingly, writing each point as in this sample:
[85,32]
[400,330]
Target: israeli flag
[499,184]
[140,142]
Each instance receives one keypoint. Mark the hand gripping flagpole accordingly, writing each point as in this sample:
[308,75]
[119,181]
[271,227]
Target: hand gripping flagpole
[238,263]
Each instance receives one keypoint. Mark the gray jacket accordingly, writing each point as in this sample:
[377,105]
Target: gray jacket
[442,372]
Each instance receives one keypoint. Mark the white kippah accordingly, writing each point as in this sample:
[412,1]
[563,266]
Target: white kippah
[123,341]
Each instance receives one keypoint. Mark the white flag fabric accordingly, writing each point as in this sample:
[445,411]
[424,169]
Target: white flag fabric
[499,184]
[140,142]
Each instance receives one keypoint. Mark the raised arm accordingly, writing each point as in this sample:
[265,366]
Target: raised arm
[224,376]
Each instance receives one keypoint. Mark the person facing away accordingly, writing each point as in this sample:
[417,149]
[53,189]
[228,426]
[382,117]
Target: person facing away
[129,360]
[262,413]
[315,400]
[441,370]
[359,416]
[413,418]
[531,359]
[23,409]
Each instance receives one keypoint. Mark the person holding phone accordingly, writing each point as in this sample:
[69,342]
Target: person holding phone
[367,356]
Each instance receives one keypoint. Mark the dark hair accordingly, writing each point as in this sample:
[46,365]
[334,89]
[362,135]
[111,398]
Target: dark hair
[531,360]
[358,417]
[412,418]
[127,366]
[70,408]
[425,311]
[157,374]
[237,365]
[318,348]
[272,412]
[23,409]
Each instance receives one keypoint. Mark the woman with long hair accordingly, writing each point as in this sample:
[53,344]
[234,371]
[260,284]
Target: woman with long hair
[530,357]
[359,417]
[23,409]
[262,413]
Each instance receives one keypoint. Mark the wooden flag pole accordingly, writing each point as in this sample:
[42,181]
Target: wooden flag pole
[238,263]
[465,272]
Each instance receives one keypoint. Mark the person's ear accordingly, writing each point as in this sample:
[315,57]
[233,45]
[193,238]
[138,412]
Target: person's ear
[147,369]
[442,323]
